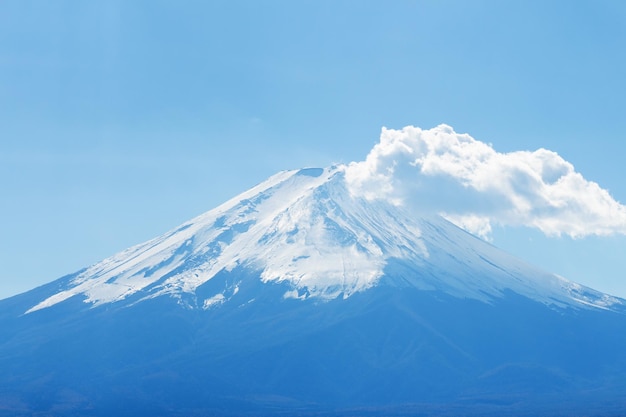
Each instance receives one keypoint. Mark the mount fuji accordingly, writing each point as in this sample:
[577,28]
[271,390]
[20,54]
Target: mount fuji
[298,298]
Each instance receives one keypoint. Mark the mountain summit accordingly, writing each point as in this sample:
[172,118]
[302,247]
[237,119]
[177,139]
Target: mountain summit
[298,297]
[303,228]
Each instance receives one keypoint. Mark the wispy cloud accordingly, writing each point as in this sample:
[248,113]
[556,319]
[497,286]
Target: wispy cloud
[473,185]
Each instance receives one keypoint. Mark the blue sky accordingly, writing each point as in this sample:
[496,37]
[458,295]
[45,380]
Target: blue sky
[120,120]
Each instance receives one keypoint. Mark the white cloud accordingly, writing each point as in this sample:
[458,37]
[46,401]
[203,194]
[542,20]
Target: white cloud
[467,181]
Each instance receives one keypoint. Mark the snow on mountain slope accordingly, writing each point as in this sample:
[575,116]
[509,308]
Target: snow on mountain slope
[304,228]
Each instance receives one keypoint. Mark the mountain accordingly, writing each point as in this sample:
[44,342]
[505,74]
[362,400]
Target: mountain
[298,298]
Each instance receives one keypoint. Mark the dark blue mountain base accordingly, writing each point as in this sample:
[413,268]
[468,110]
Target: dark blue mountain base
[389,351]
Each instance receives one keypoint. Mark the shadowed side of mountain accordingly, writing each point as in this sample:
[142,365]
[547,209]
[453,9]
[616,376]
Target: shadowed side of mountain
[393,346]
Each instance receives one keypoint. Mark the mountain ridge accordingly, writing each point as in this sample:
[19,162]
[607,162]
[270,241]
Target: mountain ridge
[304,227]
[298,298]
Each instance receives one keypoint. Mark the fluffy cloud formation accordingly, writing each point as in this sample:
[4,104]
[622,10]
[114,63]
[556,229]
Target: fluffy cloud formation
[468,182]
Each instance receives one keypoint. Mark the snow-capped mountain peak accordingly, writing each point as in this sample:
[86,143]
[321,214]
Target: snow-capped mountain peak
[303,228]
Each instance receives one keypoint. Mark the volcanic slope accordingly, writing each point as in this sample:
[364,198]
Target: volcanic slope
[298,297]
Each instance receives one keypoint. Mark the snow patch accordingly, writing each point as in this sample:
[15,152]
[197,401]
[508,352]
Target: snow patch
[214,301]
